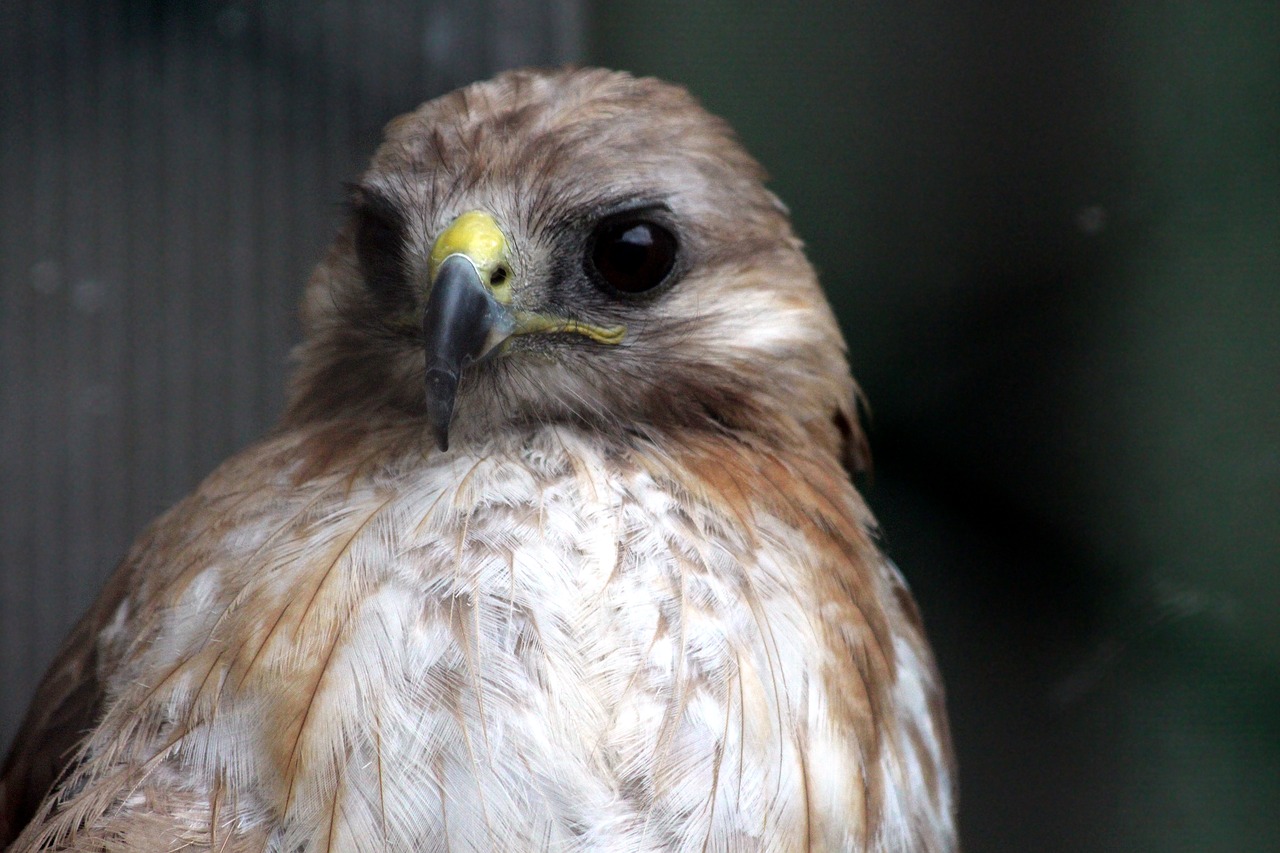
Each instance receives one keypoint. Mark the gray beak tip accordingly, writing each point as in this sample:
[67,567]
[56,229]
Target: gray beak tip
[442,388]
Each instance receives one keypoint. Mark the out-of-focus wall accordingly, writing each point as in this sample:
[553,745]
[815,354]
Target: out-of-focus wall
[1051,231]
[169,173]
[1052,234]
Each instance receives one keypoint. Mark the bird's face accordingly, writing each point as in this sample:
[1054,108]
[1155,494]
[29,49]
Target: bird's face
[575,246]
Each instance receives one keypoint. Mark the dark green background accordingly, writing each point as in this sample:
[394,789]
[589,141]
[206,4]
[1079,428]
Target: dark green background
[1052,233]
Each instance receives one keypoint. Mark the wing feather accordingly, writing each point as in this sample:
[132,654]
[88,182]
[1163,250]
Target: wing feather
[66,705]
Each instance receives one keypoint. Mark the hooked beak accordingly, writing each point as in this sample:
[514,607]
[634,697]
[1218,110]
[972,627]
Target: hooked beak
[463,323]
[469,315]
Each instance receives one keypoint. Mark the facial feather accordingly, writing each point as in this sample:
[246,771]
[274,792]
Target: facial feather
[743,338]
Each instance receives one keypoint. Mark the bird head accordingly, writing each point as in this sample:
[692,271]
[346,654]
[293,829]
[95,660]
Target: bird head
[576,246]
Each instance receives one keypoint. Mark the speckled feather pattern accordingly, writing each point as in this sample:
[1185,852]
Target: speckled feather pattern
[637,606]
[534,647]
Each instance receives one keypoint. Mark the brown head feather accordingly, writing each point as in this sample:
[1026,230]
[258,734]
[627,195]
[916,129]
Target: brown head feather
[743,340]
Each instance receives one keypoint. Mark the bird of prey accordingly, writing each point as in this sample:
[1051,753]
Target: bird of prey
[555,546]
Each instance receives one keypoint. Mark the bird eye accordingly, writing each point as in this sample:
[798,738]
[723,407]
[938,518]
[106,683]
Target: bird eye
[632,255]
[379,242]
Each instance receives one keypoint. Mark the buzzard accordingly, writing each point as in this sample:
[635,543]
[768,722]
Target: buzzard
[554,548]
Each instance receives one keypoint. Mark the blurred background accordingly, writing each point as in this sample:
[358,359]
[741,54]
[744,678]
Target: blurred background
[1051,231]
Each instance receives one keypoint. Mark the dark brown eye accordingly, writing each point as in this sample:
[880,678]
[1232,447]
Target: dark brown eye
[380,247]
[632,255]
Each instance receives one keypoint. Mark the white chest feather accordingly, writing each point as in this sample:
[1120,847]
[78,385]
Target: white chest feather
[542,650]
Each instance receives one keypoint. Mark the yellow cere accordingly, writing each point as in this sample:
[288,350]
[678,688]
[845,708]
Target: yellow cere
[476,236]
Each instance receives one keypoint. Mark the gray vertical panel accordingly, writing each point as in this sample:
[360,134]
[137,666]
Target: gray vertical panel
[17,293]
[80,347]
[169,172]
[46,415]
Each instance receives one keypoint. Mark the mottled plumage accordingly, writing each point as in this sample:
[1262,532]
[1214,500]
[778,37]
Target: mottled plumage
[636,605]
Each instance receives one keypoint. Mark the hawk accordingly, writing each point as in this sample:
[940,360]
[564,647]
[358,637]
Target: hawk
[554,548]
